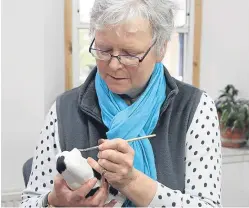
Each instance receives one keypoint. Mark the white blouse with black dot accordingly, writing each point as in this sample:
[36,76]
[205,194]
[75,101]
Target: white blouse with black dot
[202,160]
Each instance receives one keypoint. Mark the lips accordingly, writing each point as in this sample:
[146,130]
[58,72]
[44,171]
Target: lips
[118,78]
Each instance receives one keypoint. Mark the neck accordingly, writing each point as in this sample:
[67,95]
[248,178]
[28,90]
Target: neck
[131,96]
[135,93]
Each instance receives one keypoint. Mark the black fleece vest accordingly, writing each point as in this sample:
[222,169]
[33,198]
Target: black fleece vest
[80,125]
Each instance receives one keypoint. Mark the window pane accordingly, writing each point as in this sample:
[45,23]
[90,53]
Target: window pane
[180,19]
[174,58]
[86,60]
[85,8]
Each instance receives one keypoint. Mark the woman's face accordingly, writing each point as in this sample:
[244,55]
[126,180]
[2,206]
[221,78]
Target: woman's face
[131,38]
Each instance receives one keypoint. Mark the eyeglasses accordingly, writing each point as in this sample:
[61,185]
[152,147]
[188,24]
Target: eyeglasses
[127,60]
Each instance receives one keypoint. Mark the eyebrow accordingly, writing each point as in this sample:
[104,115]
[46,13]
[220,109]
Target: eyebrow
[128,49]
[102,45]
[133,50]
[125,49]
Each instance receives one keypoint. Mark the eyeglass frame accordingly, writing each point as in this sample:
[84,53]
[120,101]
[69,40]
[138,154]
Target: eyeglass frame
[118,56]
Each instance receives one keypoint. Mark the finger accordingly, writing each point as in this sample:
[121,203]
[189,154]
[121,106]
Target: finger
[116,144]
[113,178]
[61,190]
[111,203]
[84,189]
[104,182]
[112,155]
[95,165]
[101,141]
[109,166]
[105,186]
[59,182]
[101,195]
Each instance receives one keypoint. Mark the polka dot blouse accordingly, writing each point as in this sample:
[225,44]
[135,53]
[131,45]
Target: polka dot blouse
[202,161]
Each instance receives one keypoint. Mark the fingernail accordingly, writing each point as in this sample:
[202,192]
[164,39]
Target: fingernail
[100,147]
[100,141]
[89,161]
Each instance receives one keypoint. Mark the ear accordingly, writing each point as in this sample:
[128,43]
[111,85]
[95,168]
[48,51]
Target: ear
[113,191]
[92,192]
[60,164]
[96,174]
[162,53]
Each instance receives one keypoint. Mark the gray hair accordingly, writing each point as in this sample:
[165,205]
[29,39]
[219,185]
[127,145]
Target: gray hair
[160,13]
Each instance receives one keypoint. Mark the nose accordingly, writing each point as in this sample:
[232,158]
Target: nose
[114,63]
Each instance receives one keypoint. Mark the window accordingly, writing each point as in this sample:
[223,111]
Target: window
[175,59]
[86,60]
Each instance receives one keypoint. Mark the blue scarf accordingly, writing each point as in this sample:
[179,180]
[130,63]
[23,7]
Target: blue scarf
[138,119]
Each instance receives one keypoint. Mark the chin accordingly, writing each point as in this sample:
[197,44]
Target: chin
[118,89]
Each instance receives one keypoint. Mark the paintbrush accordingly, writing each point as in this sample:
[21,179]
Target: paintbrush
[128,140]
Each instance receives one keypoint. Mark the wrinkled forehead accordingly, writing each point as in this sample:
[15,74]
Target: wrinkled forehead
[132,31]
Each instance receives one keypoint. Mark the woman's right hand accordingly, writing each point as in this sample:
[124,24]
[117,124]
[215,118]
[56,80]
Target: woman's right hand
[62,196]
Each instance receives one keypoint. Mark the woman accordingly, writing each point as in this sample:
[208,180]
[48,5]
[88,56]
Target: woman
[131,94]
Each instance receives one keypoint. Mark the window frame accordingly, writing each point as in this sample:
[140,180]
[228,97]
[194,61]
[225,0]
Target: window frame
[191,31]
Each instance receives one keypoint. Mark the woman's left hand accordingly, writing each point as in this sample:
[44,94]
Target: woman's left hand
[115,162]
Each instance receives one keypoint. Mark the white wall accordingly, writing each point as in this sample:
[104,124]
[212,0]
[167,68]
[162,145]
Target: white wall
[225,60]
[225,46]
[54,79]
[32,75]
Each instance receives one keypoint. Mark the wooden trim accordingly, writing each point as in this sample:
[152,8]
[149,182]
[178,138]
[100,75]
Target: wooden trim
[68,44]
[197,42]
